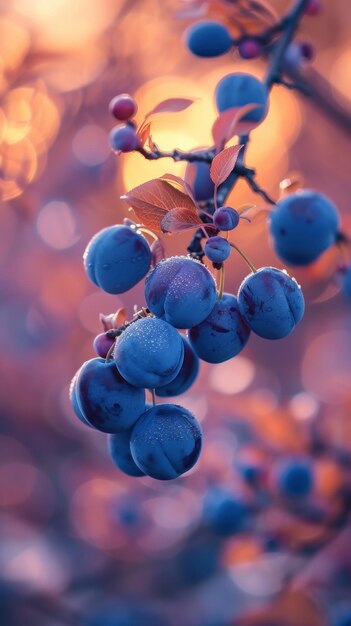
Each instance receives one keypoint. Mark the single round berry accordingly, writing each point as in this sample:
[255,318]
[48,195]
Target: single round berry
[223,334]
[249,48]
[102,344]
[149,353]
[74,400]
[208,39]
[119,449]
[197,175]
[294,477]
[224,512]
[314,7]
[166,441]
[271,303]
[217,249]
[237,90]
[108,401]
[181,291]
[226,218]
[123,107]
[116,258]
[303,226]
[186,375]
[123,138]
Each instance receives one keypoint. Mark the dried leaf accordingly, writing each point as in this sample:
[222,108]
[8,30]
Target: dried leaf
[223,164]
[113,320]
[143,132]
[171,105]
[157,252]
[228,124]
[153,147]
[180,218]
[153,199]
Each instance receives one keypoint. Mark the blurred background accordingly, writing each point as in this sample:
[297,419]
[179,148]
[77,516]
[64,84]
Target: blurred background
[81,543]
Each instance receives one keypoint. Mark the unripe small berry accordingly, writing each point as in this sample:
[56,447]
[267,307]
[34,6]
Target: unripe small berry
[124,138]
[123,107]
[249,48]
[102,343]
[226,218]
[217,249]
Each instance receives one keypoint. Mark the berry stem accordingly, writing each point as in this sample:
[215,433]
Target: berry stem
[221,282]
[147,231]
[251,266]
[109,354]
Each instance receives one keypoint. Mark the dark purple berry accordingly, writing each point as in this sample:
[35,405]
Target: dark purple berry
[102,343]
[217,249]
[249,48]
[124,138]
[307,51]
[123,107]
[314,7]
[226,218]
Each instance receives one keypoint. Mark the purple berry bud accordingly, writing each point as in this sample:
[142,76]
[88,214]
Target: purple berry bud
[249,48]
[307,51]
[226,218]
[314,7]
[123,107]
[124,138]
[102,343]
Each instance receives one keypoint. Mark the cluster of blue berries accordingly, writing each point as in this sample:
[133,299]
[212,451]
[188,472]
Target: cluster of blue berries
[148,353]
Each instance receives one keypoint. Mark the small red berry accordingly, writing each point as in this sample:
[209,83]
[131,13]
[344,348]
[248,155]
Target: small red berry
[123,107]
[314,7]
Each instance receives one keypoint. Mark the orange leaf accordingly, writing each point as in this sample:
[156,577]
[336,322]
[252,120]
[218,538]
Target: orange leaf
[228,124]
[181,184]
[153,199]
[143,132]
[180,218]
[171,105]
[223,164]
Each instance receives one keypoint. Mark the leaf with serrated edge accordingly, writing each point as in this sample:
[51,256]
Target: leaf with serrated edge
[180,218]
[171,105]
[223,164]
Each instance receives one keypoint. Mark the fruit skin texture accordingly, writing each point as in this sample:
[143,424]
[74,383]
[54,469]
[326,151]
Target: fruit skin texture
[74,400]
[294,477]
[166,441]
[123,138]
[107,401]
[226,218]
[303,225]
[186,375]
[236,90]
[123,107]
[217,249]
[119,449]
[271,302]
[149,353]
[223,334]
[181,291]
[116,258]
[208,39]
[201,183]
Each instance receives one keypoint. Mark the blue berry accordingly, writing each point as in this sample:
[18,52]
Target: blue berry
[166,441]
[271,302]
[149,353]
[226,218]
[217,249]
[107,401]
[236,90]
[74,400]
[208,39]
[102,343]
[303,225]
[117,258]
[180,290]
[185,377]
[197,174]
[294,477]
[119,449]
[224,512]
[123,138]
[223,334]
